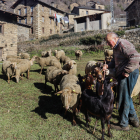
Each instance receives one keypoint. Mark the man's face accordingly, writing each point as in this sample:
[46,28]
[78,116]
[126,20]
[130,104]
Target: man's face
[111,42]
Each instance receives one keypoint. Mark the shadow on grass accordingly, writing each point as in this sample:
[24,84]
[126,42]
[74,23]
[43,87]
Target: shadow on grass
[38,71]
[43,89]
[5,78]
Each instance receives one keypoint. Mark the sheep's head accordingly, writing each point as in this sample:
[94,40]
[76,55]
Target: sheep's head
[43,53]
[63,72]
[70,64]
[66,96]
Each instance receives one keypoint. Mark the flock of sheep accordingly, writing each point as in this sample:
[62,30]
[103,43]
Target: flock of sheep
[61,71]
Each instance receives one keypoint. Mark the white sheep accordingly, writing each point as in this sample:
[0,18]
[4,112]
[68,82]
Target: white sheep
[70,91]
[22,67]
[78,54]
[54,76]
[64,59]
[12,56]
[46,53]
[8,68]
[108,52]
[91,65]
[71,67]
[47,61]
[58,54]
[24,55]
[16,60]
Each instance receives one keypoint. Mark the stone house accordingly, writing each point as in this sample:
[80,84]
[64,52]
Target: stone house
[43,18]
[133,13]
[8,34]
[92,22]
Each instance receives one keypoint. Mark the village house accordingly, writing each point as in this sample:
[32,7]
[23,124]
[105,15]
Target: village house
[93,16]
[44,19]
[8,34]
[133,13]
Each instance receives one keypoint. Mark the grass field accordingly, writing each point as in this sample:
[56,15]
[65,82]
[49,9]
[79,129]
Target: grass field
[28,111]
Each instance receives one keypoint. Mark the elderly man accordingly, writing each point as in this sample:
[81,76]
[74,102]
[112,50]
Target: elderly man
[126,63]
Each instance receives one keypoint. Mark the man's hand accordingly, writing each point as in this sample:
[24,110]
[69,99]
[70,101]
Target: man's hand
[125,74]
[105,66]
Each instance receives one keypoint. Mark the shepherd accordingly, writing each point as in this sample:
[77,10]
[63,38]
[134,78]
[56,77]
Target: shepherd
[126,61]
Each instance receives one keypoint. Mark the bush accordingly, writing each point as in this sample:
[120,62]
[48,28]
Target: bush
[120,33]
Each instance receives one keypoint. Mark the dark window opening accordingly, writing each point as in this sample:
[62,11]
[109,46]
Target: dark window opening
[50,31]
[32,31]
[43,30]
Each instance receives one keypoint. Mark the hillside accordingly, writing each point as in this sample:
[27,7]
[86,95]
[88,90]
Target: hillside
[119,5]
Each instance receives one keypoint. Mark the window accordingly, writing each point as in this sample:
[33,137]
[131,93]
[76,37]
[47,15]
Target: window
[25,20]
[31,20]
[19,11]
[50,31]
[86,12]
[19,21]
[32,31]
[43,30]
[25,11]
[32,9]
[50,11]
[98,7]
[42,19]
[1,28]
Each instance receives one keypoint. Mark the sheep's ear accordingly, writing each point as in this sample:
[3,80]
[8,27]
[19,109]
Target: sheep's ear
[60,92]
[74,63]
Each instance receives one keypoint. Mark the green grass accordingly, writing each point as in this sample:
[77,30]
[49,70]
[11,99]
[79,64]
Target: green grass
[28,111]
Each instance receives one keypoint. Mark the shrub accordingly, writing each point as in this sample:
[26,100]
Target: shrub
[120,33]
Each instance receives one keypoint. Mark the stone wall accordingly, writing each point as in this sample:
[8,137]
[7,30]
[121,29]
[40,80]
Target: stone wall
[131,35]
[8,37]
[23,33]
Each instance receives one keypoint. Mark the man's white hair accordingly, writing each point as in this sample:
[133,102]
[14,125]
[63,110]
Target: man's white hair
[111,35]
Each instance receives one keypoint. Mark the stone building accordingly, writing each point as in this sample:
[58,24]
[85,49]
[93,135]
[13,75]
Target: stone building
[92,22]
[43,18]
[133,13]
[8,34]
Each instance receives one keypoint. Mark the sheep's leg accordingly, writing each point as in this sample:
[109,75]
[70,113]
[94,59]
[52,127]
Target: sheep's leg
[41,70]
[139,98]
[8,78]
[87,118]
[28,74]
[45,82]
[74,117]
[108,125]
[80,104]
[103,128]
[95,126]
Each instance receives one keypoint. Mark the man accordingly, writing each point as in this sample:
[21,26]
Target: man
[126,63]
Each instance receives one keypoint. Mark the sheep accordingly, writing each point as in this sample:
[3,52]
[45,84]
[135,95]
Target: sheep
[24,55]
[55,63]
[12,56]
[70,91]
[78,54]
[108,55]
[54,76]
[64,59]
[101,107]
[8,69]
[47,61]
[16,60]
[46,53]
[22,67]
[71,67]
[58,54]
[91,65]
[108,52]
